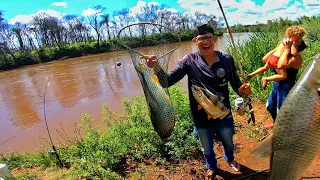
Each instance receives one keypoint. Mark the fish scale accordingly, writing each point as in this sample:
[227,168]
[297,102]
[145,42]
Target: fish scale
[302,145]
[295,139]
[160,106]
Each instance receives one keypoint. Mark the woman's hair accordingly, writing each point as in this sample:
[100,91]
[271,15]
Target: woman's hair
[295,31]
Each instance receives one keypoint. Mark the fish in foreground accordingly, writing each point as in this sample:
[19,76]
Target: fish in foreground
[211,103]
[159,102]
[295,139]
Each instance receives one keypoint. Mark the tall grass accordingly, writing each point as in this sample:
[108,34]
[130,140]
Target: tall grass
[251,53]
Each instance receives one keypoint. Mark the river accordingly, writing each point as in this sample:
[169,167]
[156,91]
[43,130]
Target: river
[76,86]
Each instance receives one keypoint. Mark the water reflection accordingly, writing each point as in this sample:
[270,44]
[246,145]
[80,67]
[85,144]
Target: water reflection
[78,85]
[19,102]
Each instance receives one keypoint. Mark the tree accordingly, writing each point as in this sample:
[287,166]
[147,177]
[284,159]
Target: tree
[18,30]
[105,21]
[95,23]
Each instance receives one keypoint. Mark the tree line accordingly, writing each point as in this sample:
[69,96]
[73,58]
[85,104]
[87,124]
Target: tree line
[47,38]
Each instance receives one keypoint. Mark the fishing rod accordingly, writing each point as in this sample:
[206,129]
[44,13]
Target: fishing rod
[54,151]
[239,65]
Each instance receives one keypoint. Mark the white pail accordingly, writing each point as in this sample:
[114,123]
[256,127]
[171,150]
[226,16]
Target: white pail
[239,104]
[5,172]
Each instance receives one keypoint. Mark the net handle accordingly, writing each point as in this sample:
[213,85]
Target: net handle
[157,25]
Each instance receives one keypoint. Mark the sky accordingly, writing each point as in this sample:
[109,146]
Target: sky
[236,11]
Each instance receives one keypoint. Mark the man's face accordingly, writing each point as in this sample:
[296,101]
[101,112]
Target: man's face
[205,42]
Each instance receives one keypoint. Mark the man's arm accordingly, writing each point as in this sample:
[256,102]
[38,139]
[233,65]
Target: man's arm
[178,72]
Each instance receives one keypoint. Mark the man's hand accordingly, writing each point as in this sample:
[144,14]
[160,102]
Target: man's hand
[245,89]
[150,60]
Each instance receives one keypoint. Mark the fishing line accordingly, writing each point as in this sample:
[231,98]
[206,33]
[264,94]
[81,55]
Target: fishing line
[253,174]
[239,64]
[45,119]
[18,134]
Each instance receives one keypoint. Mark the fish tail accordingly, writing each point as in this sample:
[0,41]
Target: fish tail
[264,149]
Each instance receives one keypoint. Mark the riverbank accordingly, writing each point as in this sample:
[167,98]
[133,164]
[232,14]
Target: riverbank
[66,51]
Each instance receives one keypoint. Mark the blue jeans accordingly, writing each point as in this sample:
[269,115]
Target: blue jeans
[277,96]
[224,131]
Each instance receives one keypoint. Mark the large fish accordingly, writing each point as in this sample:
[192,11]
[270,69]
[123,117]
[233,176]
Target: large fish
[159,102]
[295,139]
[210,102]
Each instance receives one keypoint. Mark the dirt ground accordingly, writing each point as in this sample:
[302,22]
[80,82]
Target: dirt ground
[252,168]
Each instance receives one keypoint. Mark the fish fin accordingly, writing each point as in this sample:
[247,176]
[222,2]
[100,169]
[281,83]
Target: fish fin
[264,149]
[169,99]
[199,107]
[156,79]
[209,116]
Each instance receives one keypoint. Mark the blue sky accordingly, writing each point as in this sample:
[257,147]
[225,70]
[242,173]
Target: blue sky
[237,11]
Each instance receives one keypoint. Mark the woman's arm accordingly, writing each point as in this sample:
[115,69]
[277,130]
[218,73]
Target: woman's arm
[290,61]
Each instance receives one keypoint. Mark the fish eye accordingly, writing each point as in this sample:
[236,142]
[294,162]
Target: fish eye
[318,91]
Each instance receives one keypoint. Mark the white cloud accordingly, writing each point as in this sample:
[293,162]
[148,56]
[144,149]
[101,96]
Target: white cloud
[90,11]
[171,10]
[247,12]
[311,2]
[137,9]
[312,6]
[23,18]
[60,4]
[206,6]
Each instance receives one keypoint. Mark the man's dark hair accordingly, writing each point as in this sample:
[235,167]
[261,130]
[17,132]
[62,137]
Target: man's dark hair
[302,46]
[203,29]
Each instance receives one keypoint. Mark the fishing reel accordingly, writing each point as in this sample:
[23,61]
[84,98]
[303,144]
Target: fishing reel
[52,152]
[240,106]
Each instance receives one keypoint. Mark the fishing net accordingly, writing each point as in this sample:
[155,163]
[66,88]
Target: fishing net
[153,39]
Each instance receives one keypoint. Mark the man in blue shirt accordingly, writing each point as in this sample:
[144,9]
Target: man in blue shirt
[214,69]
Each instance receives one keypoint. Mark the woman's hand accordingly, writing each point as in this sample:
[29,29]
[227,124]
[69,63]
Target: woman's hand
[287,44]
